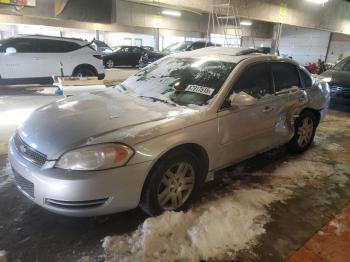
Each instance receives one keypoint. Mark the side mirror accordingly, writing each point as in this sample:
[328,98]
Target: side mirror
[11,50]
[242,99]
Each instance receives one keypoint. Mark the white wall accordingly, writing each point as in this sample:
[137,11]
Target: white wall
[256,42]
[228,40]
[303,44]
[122,38]
[7,31]
[12,30]
[88,35]
[339,47]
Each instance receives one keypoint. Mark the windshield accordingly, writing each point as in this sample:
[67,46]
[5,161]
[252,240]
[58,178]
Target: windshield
[343,65]
[183,81]
[176,47]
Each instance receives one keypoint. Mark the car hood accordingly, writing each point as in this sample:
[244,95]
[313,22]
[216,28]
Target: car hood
[155,54]
[338,78]
[98,117]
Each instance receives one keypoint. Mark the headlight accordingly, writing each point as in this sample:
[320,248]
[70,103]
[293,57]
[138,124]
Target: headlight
[96,157]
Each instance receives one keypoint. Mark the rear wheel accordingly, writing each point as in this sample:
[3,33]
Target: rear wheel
[305,127]
[109,63]
[172,183]
[84,72]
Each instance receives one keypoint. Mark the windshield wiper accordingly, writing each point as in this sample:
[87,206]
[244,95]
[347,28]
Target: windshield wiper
[155,99]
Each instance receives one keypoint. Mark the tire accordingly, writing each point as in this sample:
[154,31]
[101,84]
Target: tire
[158,197]
[84,71]
[109,63]
[305,128]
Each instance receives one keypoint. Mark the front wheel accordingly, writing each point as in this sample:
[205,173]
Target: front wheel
[172,183]
[109,63]
[305,127]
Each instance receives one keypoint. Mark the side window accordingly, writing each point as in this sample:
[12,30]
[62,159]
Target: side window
[5,44]
[255,81]
[125,50]
[285,75]
[57,46]
[136,50]
[305,78]
[25,45]
[199,45]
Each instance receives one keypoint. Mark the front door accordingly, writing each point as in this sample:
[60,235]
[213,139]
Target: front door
[23,63]
[244,131]
[123,57]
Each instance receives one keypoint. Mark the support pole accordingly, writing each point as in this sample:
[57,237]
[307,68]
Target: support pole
[156,38]
[328,46]
[97,35]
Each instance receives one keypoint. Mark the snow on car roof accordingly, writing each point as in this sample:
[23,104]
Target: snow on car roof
[227,54]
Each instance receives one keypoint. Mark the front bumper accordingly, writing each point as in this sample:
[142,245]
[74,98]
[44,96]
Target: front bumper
[77,193]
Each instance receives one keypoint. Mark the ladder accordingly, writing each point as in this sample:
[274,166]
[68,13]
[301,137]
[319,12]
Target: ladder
[225,20]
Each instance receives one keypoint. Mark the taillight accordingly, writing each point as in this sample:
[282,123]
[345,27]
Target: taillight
[98,57]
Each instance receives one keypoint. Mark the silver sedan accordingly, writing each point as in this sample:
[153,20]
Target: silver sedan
[157,137]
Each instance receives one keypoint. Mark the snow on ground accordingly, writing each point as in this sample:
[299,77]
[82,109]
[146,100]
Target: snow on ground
[5,176]
[219,228]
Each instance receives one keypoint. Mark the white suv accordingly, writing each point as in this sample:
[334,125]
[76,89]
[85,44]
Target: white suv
[35,59]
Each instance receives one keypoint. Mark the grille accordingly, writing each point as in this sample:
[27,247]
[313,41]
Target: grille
[76,204]
[23,184]
[28,152]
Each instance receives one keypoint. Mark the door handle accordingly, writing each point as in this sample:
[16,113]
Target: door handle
[267,109]
[36,58]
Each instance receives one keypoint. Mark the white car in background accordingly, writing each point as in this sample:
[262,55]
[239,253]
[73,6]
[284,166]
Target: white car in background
[35,59]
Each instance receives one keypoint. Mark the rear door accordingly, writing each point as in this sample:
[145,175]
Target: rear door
[51,56]
[54,53]
[289,98]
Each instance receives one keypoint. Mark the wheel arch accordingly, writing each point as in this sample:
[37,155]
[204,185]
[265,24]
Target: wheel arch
[314,111]
[198,150]
[89,66]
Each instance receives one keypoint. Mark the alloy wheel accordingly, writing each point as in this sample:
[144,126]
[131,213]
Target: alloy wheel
[109,63]
[305,131]
[176,186]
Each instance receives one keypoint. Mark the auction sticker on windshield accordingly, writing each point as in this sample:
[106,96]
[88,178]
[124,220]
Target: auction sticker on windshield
[200,90]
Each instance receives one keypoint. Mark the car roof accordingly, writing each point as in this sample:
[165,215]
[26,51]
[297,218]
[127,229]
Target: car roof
[120,46]
[75,40]
[230,54]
